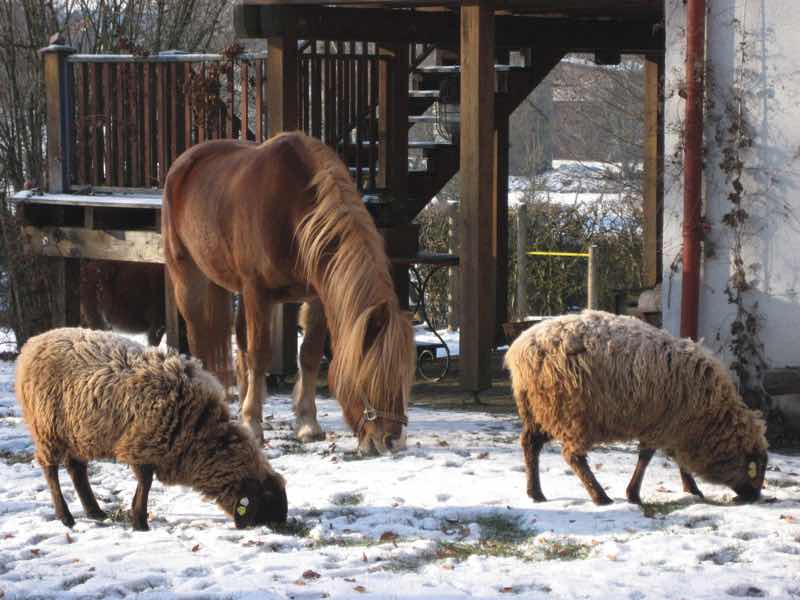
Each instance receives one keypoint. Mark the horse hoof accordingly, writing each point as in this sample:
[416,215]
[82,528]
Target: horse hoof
[308,434]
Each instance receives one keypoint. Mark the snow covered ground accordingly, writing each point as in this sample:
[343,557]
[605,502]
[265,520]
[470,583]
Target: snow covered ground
[448,518]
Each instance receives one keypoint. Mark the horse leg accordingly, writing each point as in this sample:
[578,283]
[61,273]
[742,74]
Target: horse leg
[312,319]
[78,472]
[635,485]
[91,315]
[240,360]
[259,313]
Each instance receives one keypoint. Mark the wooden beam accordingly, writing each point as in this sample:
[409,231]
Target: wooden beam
[283,115]
[393,127]
[500,216]
[478,281]
[77,242]
[59,98]
[384,25]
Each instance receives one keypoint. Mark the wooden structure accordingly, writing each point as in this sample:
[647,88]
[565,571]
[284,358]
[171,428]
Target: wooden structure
[358,74]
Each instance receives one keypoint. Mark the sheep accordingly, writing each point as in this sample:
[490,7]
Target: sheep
[89,395]
[596,377]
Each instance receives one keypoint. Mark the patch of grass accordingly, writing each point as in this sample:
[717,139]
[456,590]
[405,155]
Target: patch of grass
[294,527]
[498,527]
[564,549]
[783,483]
[13,458]
[347,499]
[119,514]
[461,551]
[651,510]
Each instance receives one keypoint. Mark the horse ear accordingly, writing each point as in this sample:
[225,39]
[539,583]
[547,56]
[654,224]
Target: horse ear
[377,321]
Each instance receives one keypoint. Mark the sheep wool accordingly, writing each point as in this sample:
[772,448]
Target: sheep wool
[89,395]
[595,377]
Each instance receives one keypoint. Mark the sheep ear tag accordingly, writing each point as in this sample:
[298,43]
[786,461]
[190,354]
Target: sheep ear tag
[243,504]
[752,470]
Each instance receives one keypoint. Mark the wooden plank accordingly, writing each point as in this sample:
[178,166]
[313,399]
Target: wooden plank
[187,107]
[259,115]
[174,100]
[651,133]
[148,105]
[231,102]
[148,201]
[77,242]
[478,280]
[120,121]
[161,121]
[381,25]
[108,123]
[58,96]
[97,130]
[316,92]
[135,129]
[393,125]
[83,129]
[245,85]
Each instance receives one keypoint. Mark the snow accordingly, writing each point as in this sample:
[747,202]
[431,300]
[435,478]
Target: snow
[448,518]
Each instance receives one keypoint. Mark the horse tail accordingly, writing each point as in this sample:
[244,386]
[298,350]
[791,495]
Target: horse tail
[206,307]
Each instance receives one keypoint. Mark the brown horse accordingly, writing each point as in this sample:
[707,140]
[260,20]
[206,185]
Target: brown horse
[124,296]
[283,222]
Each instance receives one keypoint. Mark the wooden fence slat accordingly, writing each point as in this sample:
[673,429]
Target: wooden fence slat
[187,108]
[259,114]
[316,92]
[173,121]
[82,128]
[161,120]
[119,125]
[202,113]
[230,75]
[147,105]
[244,117]
[108,121]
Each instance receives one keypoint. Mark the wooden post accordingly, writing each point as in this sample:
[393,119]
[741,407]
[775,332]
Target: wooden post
[593,283]
[500,218]
[652,173]
[393,126]
[282,115]
[478,281]
[454,281]
[65,281]
[58,93]
[522,262]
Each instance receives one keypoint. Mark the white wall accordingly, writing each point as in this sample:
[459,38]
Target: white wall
[769,81]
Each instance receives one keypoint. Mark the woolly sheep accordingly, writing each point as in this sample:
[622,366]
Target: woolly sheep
[89,395]
[597,377]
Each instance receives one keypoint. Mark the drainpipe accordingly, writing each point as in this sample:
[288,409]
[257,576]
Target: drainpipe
[693,165]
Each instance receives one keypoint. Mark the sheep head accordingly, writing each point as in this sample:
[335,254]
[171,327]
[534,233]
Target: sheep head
[260,501]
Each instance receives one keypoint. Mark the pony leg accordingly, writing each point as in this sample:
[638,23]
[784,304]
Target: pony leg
[635,485]
[312,319]
[80,479]
[259,353]
[240,360]
[532,440]
[581,468]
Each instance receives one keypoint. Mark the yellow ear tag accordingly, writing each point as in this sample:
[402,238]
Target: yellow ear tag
[241,510]
[752,470]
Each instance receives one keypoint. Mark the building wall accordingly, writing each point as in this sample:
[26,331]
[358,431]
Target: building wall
[752,55]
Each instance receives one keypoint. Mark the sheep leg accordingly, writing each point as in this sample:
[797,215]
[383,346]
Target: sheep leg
[645,455]
[144,475]
[62,510]
[690,485]
[80,479]
[532,440]
[581,468]
[312,319]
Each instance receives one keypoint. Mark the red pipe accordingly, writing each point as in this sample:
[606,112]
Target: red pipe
[693,165]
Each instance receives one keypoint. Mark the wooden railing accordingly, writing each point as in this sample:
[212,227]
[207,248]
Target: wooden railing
[134,115]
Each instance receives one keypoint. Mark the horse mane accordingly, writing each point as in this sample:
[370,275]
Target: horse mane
[342,254]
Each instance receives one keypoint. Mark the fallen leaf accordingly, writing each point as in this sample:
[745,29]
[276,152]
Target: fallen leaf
[442,443]
[69,539]
[506,590]
[388,536]
[311,574]
[35,551]
[196,547]
[448,567]
[299,582]
[364,557]
[360,588]
[788,518]
[598,466]
[8,536]
[482,455]
[350,579]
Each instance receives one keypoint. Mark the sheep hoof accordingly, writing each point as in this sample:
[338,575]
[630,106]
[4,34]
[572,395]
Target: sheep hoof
[97,515]
[68,520]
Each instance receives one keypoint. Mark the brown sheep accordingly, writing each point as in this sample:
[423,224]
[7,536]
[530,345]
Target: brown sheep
[89,395]
[596,377]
